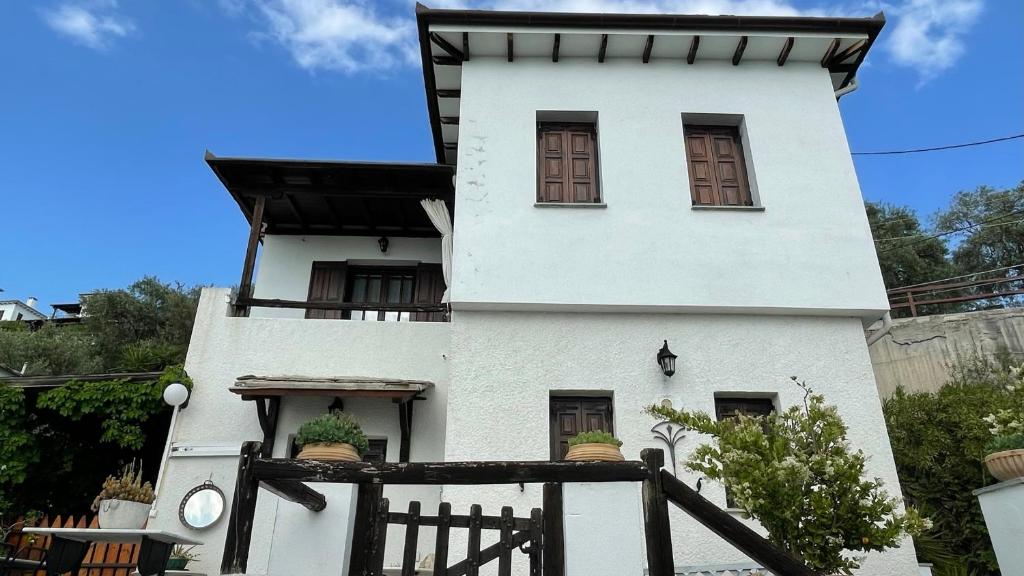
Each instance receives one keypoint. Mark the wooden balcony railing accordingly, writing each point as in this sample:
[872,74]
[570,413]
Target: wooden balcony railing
[418,312]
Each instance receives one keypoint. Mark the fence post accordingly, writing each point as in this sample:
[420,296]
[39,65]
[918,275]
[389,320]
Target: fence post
[368,497]
[656,522]
[554,530]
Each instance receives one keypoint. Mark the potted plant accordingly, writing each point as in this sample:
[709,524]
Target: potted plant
[595,445]
[180,557]
[331,436]
[124,501]
[1005,458]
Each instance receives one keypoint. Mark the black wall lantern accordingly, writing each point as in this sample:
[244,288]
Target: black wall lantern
[383,243]
[667,360]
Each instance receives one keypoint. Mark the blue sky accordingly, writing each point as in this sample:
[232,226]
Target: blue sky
[107,107]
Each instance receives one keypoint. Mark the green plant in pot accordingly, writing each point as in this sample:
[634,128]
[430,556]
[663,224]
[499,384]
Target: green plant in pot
[124,501]
[1005,451]
[596,445]
[331,436]
[181,556]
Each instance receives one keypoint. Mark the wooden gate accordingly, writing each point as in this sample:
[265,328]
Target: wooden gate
[524,534]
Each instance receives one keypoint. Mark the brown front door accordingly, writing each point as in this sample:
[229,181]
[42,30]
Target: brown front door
[571,415]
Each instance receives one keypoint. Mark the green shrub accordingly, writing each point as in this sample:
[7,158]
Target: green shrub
[595,437]
[335,428]
[1000,443]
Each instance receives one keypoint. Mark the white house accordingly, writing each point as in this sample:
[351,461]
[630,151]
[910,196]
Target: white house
[614,182]
[18,310]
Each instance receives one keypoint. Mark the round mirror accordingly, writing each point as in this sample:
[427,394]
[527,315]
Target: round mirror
[202,506]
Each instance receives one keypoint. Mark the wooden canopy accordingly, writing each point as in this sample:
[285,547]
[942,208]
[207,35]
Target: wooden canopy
[347,387]
[313,197]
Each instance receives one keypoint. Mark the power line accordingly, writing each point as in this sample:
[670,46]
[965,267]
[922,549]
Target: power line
[935,148]
[1004,268]
[971,227]
[954,231]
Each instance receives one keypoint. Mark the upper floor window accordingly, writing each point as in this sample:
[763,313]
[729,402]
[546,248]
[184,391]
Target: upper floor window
[567,162]
[381,290]
[718,176]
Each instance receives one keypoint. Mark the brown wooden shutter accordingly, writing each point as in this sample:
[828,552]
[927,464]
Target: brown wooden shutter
[571,415]
[326,284]
[567,163]
[717,174]
[429,290]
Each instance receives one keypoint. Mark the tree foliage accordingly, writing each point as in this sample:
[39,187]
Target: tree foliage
[992,222]
[17,449]
[905,261]
[938,442]
[795,472]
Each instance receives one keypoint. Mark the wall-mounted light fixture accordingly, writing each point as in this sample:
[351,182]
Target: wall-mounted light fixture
[667,360]
[383,243]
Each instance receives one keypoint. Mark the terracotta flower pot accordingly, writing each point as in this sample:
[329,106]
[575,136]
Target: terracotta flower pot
[123,514]
[594,452]
[330,451]
[1006,465]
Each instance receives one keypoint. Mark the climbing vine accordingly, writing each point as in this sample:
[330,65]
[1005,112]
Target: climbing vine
[17,449]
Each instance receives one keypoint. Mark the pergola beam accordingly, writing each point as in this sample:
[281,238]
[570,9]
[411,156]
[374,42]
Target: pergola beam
[691,56]
[255,231]
[738,54]
[784,54]
[648,47]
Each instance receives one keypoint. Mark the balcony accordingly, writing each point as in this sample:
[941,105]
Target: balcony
[343,240]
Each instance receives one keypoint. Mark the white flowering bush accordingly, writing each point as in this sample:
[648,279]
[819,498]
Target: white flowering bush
[795,472]
[1007,424]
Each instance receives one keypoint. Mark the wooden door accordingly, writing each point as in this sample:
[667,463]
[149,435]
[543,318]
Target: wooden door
[571,415]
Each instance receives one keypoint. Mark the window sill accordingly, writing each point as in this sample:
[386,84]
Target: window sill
[570,205]
[728,208]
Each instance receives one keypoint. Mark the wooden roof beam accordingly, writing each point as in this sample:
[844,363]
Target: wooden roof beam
[738,54]
[554,48]
[648,47]
[447,46]
[508,39]
[447,61]
[849,51]
[784,54]
[295,209]
[448,93]
[694,45]
[604,48]
[450,120]
[830,53]
[465,46]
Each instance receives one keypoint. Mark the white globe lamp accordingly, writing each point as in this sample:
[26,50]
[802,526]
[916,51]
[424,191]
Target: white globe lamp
[175,394]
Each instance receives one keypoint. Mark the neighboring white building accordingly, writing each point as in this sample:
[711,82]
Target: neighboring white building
[18,310]
[615,182]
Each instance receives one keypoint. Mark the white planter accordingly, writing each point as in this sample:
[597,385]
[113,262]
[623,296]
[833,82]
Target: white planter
[123,514]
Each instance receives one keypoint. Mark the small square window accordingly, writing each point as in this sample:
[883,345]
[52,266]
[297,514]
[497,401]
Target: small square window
[726,408]
[567,162]
[718,174]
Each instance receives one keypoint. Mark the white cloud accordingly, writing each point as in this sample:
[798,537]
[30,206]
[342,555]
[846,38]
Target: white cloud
[338,35]
[928,34]
[95,24]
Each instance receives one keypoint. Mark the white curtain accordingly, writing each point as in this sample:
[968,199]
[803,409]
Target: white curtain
[437,211]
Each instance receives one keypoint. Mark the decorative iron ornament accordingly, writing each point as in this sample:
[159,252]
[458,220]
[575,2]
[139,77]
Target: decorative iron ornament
[670,434]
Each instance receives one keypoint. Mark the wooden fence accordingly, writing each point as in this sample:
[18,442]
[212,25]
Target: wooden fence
[102,559]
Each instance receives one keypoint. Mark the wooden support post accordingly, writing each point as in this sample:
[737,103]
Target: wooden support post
[910,302]
[266,411]
[405,429]
[255,231]
[473,542]
[554,531]
[656,522]
[243,509]
[444,522]
[412,534]
[368,498]
[379,539]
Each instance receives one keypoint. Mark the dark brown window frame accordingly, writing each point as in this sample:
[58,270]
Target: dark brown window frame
[758,405]
[710,131]
[332,281]
[590,128]
[556,402]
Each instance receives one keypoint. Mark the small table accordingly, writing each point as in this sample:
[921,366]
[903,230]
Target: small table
[68,547]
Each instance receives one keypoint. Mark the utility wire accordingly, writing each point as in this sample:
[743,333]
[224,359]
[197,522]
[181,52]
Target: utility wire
[954,231]
[1004,268]
[936,148]
[971,227]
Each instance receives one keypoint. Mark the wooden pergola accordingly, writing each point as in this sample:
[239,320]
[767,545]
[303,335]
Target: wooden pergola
[266,392]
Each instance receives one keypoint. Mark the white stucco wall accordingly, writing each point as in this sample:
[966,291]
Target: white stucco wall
[809,251]
[505,366]
[223,348]
[285,263]
[11,309]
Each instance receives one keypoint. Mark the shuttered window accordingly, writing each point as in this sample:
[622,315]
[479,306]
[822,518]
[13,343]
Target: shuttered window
[571,415]
[379,287]
[726,408]
[718,176]
[567,163]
